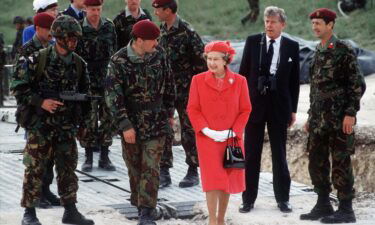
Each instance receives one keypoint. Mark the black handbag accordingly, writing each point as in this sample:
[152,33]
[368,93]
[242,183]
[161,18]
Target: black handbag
[233,157]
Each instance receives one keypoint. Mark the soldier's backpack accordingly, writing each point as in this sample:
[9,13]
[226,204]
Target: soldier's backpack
[24,113]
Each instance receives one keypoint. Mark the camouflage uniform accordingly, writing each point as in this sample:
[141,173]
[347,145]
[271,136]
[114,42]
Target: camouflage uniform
[2,63]
[96,47]
[124,22]
[140,93]
[335,93]
[17,44]
[252,15]
[50,136]
[185,52]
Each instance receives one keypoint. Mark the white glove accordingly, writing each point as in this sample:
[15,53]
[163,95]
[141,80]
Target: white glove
[224,134]
[218,136]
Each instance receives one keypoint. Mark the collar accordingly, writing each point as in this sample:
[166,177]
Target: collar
[87,24]
[175,24]
[133,57]
[277,40]
[77,11]
[229,80]
[331,44]
[66,59]
[128,13]
[37,42]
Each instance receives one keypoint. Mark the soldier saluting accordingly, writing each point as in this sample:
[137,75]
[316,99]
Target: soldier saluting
[335,93]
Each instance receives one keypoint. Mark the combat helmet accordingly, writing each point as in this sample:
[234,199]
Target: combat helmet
[66,26]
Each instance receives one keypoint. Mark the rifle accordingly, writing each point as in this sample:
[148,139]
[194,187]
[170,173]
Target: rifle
[68,96]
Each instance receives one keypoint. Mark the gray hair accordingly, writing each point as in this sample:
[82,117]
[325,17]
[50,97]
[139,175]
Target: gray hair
[275,11]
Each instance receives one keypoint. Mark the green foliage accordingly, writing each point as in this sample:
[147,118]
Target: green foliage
[221,18]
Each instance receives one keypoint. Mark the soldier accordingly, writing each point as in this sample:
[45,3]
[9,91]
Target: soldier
[75,9]
[140,92]
[97,45]
[185,50]
[43,22]
[51,124]
[252,15]
[19,23]
[126,19]
[2,63]
[335,93]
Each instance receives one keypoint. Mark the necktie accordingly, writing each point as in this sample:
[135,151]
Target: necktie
[270,55]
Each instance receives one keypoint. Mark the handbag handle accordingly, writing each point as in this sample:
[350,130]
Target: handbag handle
[230,135]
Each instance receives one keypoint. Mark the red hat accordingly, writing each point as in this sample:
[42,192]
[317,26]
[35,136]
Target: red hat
[44,20]
[323,13]
[146,30]
[160,3]
[220,46]
[93,2]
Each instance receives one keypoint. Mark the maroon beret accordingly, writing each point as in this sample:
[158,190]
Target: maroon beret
[160,3]
[93,2]
[146,30]
[44,20]
[323,13]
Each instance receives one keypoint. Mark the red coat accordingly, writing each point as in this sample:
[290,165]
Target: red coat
[218,109]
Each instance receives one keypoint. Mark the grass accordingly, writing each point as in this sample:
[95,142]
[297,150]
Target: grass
[221,18]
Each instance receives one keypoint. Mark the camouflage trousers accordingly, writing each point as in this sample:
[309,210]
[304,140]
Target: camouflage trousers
[142,160]
[42,150]
[187,139]
[99,134]
[340,146]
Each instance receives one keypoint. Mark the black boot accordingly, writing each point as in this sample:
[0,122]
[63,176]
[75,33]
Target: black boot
[321,209]
[49,196]
[164,178]
[29,217]
[344,214]
[87,166]
[191,178]
[104,161]
[146,217]
[44,203]
[72,216]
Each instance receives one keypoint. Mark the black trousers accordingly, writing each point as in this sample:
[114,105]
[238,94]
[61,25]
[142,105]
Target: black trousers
[254,137]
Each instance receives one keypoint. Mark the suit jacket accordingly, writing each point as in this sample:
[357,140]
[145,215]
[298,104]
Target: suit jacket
[70,12]
[282,102]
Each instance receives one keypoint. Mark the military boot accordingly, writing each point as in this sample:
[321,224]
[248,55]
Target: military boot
[72,216]
[29,217]
[344,214]
[87,166]
[146,217]
[164,178]
[321,209]
[104,161]
[49,196]
[191,178]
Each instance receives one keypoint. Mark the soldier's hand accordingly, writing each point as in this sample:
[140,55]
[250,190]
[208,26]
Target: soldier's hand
[51,105]
[292,120]
[306,127]
[129,136]
[348,124]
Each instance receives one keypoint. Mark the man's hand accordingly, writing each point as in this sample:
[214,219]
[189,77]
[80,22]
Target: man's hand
[292,119]
[129,136]
[51,105]
[347,124]
[171,122]
[306,127]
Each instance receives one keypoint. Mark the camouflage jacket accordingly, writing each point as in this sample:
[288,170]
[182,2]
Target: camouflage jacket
[96,47]
[140,92]
[30,47]
[17,44]
[335,89]
[2,52]
[60,74]
[124,22]
[185,51]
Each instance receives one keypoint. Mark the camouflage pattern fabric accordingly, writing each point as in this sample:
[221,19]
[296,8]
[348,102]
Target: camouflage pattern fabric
[124,24]
[65,26]
[17,44]
[253,13]
[96,47]
[2,53]
[335,92]
[185,51]
[140,93]
[39,151]
[142,160]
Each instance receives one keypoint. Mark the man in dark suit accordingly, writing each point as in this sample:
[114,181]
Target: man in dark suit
[270,63]
[75,9]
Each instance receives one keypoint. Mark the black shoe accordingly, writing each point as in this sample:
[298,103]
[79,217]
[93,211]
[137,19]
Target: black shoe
[191,179]
[87,165]
[146,217]
[44,203]
[29,217]
[284,207]
[321,209]
[49,196]
[344,214]
[246,207]
[104,161]
[164,178]
[72,216]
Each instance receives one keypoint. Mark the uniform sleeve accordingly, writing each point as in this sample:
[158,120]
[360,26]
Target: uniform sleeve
[244,110]
[194,108]
[169,96]
[353,85]
[115,99]
[197,59]
[86,106]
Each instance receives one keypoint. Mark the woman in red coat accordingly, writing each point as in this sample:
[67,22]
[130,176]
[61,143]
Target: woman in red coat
[218,101]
